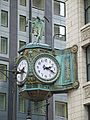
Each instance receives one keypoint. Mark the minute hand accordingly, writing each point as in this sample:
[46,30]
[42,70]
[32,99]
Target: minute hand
[51,70]
[48,68]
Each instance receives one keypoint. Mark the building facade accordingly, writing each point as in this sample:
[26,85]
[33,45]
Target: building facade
[16,21]
[78,32]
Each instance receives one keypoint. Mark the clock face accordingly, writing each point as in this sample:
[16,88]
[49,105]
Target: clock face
[22,70]
[46,68]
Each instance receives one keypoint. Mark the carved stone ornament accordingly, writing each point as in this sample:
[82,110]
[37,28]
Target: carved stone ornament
[74,49]
[87,92]
[85,32]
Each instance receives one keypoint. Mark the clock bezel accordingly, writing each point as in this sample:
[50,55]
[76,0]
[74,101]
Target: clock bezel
[55,61]
[20,83]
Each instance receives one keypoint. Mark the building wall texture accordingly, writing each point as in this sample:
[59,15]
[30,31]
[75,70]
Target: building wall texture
[76,27]
[14,35]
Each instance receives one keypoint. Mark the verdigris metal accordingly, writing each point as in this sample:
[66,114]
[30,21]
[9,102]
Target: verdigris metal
[36,90]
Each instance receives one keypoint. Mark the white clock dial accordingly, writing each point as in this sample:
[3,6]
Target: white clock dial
[46,68]
[22,70]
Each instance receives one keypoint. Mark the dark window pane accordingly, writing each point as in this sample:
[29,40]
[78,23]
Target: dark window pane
[4,18]
[60,32]
[56,8]
[21,44]
[88,69]
[23,2]
[60,109]
[88,112]
[88,62]
[3,72]
[2,101]
[22,105]
[87,11]
[5,0]
[22,23]
[3,45]
[59,8]
[39,4]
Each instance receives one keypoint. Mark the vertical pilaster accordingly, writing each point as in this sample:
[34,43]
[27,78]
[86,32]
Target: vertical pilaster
[12,54]
[30,18]
[48,22]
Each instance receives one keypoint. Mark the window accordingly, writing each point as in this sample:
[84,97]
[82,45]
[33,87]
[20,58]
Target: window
[87,11]
[22,23]
[39,4]
[21,44]
[88,112]
[5,0]
[39,107]
[4,18]
[3,72]
[59,8]
[3,45]
[22,104]
[61,109]
[88,62]
[60,32]
[2,101]
[23,2]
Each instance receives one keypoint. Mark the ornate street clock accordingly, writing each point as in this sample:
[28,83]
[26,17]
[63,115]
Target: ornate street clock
[41,72]
[46,68]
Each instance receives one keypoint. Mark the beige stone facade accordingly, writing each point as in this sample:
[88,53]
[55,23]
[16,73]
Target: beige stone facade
[78,33]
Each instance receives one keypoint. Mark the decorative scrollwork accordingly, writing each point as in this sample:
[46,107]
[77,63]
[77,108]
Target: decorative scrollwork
[74,49]
[76,84]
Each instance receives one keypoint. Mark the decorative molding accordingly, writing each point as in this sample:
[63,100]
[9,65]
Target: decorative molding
[85,32]
[87,91]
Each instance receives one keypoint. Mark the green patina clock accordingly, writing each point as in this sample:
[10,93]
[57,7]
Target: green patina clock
[46,68]
[42,72]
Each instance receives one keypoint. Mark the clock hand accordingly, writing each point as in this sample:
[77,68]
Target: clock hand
[21,71]
[44,67]
[52,71]
[48,68]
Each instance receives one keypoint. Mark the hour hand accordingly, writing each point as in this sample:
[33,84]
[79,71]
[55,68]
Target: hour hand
[48,68]
[44,67]
[20,71]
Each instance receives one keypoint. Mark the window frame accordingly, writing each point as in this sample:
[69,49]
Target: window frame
[3,25]
[4,94]
[24,104]
[4,74]
[87,64]
[39,107]
[7,64]
[59,8]
[23,4]
[6,50]
[88,108]
[36,7]
[20,46]
[5,0]
[66,110]
[20,28]
[86,11]
[58,34]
